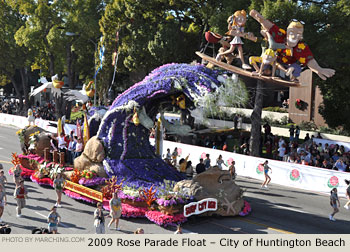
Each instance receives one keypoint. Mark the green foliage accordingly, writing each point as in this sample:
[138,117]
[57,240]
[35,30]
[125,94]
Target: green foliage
[4,80]
[275,109]
[308,125]
[152,33]
[284,120]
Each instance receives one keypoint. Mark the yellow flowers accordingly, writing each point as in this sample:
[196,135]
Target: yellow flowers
[285,60]
[282,31]
[301,46]
[302,60]
[288,52]
[19,132]
[35,133]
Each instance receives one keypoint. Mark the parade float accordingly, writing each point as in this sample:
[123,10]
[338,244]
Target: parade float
[121,158]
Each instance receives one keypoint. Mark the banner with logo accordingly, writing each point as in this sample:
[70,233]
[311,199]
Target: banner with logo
[283,173]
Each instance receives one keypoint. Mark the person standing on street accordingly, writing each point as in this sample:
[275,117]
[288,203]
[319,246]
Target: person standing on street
[99,222]
[17,175]
[3,180]
[232,170]
[346,206]
[3,201]
[54,219]
[58,185]
[178,230]
[220,162]
[266,173]
[20,195]
[333,201]
[115,206]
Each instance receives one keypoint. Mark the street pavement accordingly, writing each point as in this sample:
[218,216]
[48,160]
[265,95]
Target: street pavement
[279,210]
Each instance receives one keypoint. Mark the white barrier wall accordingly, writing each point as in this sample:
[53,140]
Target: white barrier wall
[283,173]
[21,122]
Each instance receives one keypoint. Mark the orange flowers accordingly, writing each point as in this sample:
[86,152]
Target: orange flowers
[148,195]
[75,176]
[15,159]
[111,187]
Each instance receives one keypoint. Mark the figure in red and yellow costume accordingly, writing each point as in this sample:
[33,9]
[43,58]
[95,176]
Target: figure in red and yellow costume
[296,53]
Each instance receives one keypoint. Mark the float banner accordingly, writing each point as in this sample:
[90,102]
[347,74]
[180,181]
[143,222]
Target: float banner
[283,173]
[205,205]
[176,243]
[85,191]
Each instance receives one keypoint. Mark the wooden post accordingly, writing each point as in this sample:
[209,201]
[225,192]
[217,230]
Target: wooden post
[55,156]
[62,158]
[47,154]
[255,132]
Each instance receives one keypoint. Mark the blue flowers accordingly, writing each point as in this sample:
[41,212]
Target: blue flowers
[129,153]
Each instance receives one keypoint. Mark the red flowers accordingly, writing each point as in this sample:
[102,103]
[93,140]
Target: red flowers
[299,104]
[165,220]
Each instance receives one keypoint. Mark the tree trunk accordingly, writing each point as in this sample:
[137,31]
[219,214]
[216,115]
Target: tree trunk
[52,64]
[18,92]
[70,66]
[24,77]
[255,133]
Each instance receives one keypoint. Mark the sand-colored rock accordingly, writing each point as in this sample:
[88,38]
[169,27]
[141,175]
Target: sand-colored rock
[92,157]
[215,183]
[94,150]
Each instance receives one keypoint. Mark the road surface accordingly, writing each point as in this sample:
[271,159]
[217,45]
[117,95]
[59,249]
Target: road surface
[277,210]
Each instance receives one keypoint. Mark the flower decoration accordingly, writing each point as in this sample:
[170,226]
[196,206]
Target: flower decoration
[164,219]
[129,211]
[92,182]
[129,153]
[246,209]
[77,196]
[148,195]
[15,159]
[301,105]
[43,170]
[41,181]
[76,175]
[88,174]
[55,170]
[111,187]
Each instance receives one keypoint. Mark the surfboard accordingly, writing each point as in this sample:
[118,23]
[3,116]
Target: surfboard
[249,74]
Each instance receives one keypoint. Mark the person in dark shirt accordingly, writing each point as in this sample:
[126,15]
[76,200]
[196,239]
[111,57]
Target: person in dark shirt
[291,133]
[326,164]
[200,167]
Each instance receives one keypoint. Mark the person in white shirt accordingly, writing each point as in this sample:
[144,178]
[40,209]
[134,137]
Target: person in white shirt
[281,142]
[220,162]
[62,144]
[71,150]
[281,151]
[79,147]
